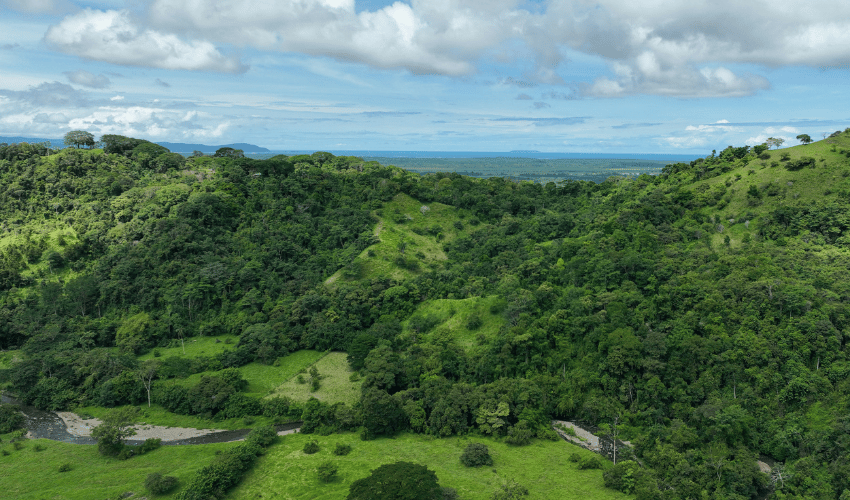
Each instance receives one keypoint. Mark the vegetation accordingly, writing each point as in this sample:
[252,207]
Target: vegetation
[79,472]
[10,418]
[397,481]
[543,468]
[475,455]
[699,313]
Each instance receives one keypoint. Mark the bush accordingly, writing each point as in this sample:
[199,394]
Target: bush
[575,458]
[158,484]
[398,480]
[474,322]
[623,476]
[342,449]
[262,436]
[150,445]
[520,434]
[475,455]
[510,491]
[590,463]
[449,493]
[327,472]
[10,418]
[66,467]
[38,447]
[311,447]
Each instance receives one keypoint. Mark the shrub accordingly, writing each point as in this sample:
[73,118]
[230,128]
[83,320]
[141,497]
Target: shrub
[66,467]
[474,322]
[510,491]
[158,484]
[327,472]
[38,447]
[590,463]
[520,434]
[449,493]
[342,449]
[398,480]
[262,436]
[311,447]
[150,445]
[623,476]
[10,418]
[475,455]
[575,458]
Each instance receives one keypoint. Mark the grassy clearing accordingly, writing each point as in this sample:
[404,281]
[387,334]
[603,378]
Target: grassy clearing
[336,386]
[830,176]
[263,379]
[194,347]
[30,474]
[454,315]
[400,221]
[285,472]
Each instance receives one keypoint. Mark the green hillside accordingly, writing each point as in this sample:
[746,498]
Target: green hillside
[700,314]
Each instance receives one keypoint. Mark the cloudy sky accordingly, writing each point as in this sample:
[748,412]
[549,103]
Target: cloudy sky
[619,76]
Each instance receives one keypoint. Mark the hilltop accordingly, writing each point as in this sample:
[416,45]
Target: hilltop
[700,314]
[175,147]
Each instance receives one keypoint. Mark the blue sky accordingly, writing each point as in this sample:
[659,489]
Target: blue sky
[618,76]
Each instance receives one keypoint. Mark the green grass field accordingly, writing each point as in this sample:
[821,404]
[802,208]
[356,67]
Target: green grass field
[335,384]
[400,219]
[263,379]
[194,347]
[30,474]
[453,316]
[285,472]
[830,176]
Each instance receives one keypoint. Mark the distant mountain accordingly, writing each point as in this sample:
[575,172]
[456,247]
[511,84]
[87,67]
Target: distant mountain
[179,147]
[54,143]
[174,147]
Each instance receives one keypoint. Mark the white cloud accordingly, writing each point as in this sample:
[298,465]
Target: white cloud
[682,48]
[86,79]
[117,98]
[36,6]
[112,36]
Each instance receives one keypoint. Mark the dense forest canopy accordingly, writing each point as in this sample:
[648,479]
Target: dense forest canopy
[701,313]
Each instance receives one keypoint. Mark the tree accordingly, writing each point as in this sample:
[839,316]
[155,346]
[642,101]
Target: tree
[115,427]
[228,153]
[773,142]
[476,454]
[79,138]
[146,373]
[804,138]
[10,418]
[398,481]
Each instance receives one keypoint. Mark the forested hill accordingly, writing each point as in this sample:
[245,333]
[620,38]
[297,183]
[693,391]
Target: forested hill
[703,310]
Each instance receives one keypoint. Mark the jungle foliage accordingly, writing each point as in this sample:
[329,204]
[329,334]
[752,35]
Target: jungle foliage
[705,321]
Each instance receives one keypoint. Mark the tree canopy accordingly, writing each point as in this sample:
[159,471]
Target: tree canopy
[79,138]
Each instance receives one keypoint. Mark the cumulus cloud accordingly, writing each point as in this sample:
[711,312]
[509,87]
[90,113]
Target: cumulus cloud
[680,48]
[86,79]
[114,37]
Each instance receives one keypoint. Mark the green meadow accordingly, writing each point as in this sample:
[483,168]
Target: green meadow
[287,473]
[336,386]
[28,473]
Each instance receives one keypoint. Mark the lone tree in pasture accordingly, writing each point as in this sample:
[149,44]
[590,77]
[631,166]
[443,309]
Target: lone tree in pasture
[79,138]
[804,138]
[398,481]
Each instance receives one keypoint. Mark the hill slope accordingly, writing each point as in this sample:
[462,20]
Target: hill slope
[648,306]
